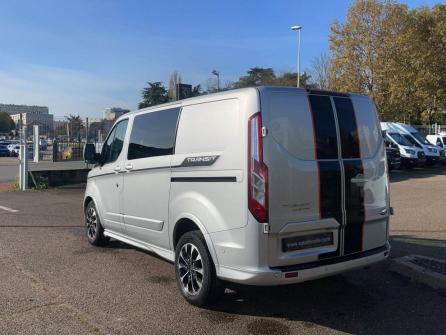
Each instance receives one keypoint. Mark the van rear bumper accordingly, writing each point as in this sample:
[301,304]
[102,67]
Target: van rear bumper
[309,271]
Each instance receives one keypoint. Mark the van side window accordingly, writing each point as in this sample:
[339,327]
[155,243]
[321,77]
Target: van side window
[113,146]
[153,134]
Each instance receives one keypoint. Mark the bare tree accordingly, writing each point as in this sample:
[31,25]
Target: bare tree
[319,70]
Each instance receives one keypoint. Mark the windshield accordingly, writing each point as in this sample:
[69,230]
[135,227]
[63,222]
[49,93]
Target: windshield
[400,139]
[411,140]
[421,138]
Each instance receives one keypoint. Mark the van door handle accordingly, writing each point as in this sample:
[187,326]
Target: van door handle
[359,181]
[117,168]
[129,167]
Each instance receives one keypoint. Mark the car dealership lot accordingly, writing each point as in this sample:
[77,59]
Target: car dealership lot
[52,281]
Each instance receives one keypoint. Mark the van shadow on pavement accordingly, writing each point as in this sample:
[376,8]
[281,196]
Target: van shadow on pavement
[371,301]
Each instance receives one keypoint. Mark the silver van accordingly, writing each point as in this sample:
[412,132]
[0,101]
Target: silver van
[259,186]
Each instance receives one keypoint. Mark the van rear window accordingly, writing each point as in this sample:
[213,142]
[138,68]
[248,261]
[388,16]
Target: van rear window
[324,127]
[348,129]
[153,134]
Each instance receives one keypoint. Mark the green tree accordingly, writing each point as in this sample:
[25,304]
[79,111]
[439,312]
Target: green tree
[423,81]
[393,54]
[6,123]
[364,49]
[154,94]
[290,79]
[256,76]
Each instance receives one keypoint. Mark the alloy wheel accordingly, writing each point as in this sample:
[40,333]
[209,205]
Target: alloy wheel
[92,223]
[190,269]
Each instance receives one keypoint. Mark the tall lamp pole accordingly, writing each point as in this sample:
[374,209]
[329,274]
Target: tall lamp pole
[298,28]
[217,74]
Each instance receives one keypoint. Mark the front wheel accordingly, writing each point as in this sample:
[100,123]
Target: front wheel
[195,271]
[95,232]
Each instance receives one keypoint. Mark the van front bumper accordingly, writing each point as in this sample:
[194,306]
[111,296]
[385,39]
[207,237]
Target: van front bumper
[303,272]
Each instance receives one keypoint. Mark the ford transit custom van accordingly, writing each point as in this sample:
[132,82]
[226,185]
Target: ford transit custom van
[258,186]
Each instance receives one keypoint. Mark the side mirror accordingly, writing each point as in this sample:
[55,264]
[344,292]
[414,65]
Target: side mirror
[384,133]
[90,155]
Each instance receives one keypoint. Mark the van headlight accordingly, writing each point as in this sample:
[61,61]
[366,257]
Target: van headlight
[409,151]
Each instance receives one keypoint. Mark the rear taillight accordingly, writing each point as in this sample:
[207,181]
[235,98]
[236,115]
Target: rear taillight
[257,171]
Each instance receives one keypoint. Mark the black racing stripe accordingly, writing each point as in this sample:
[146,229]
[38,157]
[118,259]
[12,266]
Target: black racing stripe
[324,127]
[354,172]
[330,198]
[354,206]
[203,179]
[348,129]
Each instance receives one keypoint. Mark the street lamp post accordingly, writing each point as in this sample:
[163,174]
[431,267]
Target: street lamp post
[298,28]
[217,74]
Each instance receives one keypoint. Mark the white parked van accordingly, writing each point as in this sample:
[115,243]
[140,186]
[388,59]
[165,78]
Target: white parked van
[433,153]
[411,155]
[259,186]
[439,140]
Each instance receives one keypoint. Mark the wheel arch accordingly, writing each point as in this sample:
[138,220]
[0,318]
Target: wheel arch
[186,223]
[87,200]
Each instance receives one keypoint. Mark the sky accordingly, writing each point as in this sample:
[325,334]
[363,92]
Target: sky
[80,57]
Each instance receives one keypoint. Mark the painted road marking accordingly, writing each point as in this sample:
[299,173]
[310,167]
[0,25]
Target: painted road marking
[8,209]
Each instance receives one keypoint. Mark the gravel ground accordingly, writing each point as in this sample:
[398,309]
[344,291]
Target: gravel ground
[53,282]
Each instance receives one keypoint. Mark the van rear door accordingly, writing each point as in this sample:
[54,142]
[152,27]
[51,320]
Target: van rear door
[327,174]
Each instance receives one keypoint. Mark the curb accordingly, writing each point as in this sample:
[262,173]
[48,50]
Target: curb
[405,266]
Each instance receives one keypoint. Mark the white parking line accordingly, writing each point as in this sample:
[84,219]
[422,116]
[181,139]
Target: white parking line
[8,209]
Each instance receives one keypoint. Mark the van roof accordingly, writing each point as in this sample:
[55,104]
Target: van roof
[398,127]
[238,92]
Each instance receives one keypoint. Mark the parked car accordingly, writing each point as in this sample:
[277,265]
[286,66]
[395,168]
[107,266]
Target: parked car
[43,144]
[4,152]
[14,150]
[259,186]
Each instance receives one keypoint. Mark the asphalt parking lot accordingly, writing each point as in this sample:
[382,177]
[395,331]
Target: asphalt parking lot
[53,282]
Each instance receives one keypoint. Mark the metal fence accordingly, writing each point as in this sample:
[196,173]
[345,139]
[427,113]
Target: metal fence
[71,151]
[428,130]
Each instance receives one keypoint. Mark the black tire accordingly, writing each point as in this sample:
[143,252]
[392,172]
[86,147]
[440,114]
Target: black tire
[211,287]
[95,231]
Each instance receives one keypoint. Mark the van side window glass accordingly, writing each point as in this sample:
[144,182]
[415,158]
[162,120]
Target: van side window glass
[105,154]
[113,146]
[153,134]
[324,127]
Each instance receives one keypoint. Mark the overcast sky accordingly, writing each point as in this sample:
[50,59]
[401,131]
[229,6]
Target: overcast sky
[79,57]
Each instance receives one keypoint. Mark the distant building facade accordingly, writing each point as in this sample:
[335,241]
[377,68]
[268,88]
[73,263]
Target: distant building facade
[31,115]
[112,113]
